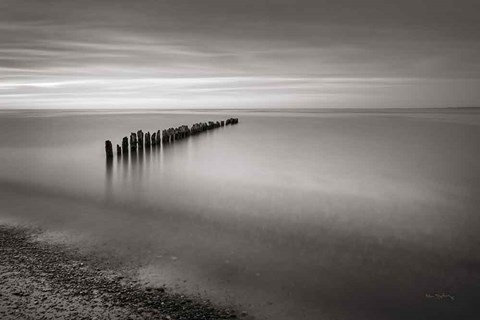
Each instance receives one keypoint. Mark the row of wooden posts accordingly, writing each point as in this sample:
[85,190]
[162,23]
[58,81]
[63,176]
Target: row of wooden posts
[139,139]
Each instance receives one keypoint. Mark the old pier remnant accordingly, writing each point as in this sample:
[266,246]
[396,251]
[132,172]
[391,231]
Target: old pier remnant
[197,128]
[169,135]
[109,148]
[125,145]
[231,121]
[140,139]
[154,139]
[133,141]
[182,132]
[147,140]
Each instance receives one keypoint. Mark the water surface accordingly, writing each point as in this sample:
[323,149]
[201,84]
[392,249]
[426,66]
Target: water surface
[291,215]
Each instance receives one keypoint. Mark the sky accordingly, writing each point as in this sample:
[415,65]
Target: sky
[239,53]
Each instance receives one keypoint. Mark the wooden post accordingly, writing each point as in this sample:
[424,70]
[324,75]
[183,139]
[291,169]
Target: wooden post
[119,150]
[171,135]
[194,129]
[133,141]
[109,149]
[140,139]
[180,132]
[147,140]
[231,121]
[125,145]
[154,139]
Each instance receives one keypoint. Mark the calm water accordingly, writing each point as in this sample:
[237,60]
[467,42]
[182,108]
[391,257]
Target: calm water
[290,215]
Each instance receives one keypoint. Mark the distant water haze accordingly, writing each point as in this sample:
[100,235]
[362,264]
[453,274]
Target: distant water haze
[290,215]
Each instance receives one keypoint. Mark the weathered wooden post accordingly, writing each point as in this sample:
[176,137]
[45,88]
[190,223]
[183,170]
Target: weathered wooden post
[171,135]
[182,131]
[140,139]
[147,140]
[119,151]
[222,123]
[125,145]
[109,149]
[133,141]
[154,139]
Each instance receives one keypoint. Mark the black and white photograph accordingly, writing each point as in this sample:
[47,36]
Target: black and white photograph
[240,159]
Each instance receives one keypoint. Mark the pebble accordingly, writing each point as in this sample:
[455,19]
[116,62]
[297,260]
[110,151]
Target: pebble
[52,275]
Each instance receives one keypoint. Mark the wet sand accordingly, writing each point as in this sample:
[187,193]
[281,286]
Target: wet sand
[40,280]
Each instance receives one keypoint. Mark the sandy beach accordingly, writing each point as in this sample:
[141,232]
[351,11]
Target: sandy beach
[40,280]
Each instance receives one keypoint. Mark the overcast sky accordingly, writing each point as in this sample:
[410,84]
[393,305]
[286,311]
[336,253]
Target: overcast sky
[239,53]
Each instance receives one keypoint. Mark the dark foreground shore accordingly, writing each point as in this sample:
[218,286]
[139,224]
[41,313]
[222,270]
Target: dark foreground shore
[45,281]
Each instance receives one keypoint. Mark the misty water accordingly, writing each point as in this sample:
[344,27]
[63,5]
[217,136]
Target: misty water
[287,215]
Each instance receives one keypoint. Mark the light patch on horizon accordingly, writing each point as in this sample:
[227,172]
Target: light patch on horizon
[167,55]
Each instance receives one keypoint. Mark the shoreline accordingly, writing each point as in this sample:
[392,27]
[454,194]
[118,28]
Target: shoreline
[49,281]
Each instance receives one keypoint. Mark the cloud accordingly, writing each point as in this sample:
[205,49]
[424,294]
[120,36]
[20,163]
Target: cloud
[295,52]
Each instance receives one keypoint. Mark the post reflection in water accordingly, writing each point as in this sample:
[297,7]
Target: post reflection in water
[148,155]
[125,156]
[134,157]
[109,177]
